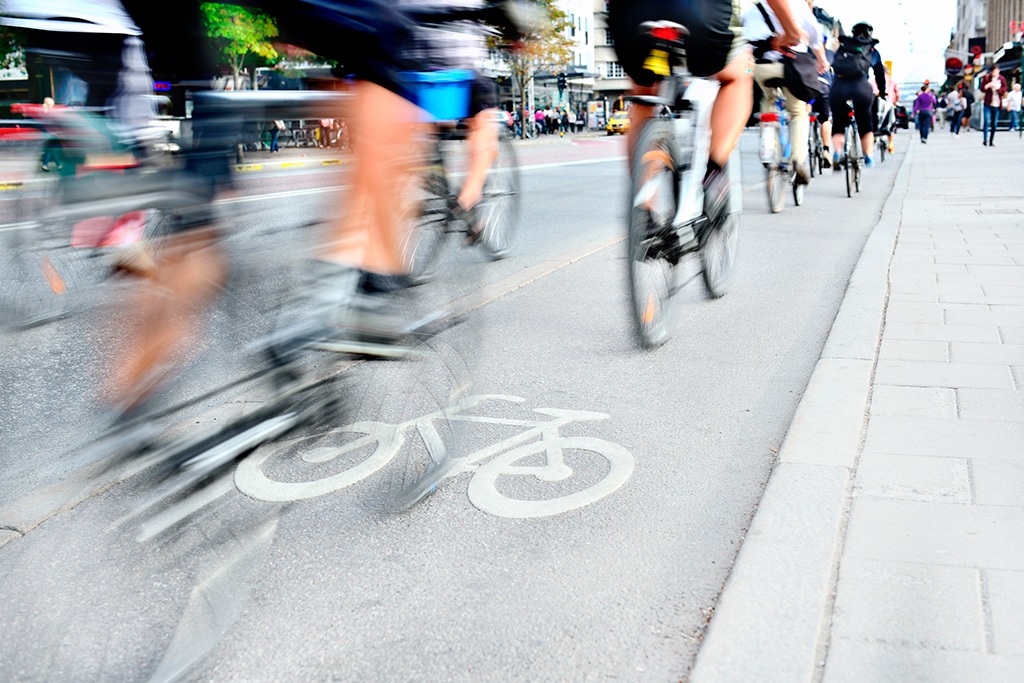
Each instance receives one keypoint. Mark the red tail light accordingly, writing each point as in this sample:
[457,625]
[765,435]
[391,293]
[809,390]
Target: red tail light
[666,33]
[769,117]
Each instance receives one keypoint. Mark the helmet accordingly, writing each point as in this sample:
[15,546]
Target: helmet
[863,29]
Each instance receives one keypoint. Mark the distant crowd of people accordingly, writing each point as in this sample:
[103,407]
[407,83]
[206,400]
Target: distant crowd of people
[956,105]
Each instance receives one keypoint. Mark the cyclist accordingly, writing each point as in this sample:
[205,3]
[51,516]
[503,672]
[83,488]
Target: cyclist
[464,49]
[365,240]
[715,48]
[760,23]
[855,61]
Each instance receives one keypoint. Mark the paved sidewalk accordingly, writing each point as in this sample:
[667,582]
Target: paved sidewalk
[888,545]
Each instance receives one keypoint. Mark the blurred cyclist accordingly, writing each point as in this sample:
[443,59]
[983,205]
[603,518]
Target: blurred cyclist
[855,61]
[715,48]
[761,24]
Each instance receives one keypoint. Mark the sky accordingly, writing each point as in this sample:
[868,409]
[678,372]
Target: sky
[913,33]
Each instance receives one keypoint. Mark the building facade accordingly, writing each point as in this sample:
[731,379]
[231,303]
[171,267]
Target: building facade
[1002,16]
[611,82]
[971,22]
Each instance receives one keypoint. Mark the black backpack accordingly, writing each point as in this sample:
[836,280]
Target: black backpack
[853,58]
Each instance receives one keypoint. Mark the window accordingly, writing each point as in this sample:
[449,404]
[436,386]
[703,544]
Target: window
[613,70]
[608,40]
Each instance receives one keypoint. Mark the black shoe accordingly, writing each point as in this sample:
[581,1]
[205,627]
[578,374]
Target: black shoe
[716,195]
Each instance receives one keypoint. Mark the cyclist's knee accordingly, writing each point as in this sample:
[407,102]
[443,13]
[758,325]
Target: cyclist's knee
[739,70]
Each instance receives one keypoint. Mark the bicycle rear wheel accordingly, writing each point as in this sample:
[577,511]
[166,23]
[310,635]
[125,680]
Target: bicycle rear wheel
[848,162]
[718,246]
[499,208]
[427,199]
[651,238]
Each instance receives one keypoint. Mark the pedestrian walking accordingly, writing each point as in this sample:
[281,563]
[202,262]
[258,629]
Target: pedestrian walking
[954,105]
[968,109]
[993,87]
[275,133]
[1013,105]
[924,111]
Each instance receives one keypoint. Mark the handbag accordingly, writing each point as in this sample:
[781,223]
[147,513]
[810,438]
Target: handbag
[799,69]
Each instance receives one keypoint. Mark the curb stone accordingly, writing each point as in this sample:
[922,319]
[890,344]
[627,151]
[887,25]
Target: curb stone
[774,613]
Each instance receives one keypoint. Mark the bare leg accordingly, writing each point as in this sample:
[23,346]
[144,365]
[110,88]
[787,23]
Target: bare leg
[732,106]
[867,143]
[166,314]
[483,150]
[369,236]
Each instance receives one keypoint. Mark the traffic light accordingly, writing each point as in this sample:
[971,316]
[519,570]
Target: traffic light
[561,82]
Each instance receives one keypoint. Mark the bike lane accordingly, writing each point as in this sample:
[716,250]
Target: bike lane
[620,586]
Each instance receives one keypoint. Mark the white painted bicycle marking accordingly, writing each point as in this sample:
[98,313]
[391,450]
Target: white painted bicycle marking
[489,465]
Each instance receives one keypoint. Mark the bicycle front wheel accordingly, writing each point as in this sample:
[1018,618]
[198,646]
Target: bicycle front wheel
[776,181]
[499,207]
[651,238]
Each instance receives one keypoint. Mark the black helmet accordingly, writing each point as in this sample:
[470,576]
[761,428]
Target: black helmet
[863,29]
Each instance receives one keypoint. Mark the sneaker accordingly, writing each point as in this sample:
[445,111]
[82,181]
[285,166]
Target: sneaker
[802,176]
[835,162]
[825,157]
[716,195]
[868,162]
[924,141]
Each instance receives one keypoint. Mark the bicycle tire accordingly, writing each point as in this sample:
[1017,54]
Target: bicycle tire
[776,197]
[718,254]
[856,173]
[798,194]
[37,284]
[848,167]
[426,236]
[498,209]
[485,493]
[653,203]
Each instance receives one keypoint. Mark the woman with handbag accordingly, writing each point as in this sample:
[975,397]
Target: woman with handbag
[770,71]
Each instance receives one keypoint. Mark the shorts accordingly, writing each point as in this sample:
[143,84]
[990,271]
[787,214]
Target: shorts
[822,106]
[716,33]
[859,91]
[484,94]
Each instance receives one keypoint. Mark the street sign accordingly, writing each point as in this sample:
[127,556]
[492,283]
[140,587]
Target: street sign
[954,66]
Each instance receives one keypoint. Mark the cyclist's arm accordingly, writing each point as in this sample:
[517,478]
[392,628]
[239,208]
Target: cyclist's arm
[792,33]
[879,70]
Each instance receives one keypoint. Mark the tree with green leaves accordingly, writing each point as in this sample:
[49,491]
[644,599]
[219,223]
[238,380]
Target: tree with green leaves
[240,35]
[10,49]
[546,47]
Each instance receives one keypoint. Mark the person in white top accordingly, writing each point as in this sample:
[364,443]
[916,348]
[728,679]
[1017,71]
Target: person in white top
[1014,105]
[768,67]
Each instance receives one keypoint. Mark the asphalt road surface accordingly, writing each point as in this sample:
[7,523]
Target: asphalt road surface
[600,558]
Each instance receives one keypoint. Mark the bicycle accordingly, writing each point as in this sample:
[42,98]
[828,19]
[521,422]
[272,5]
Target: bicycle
[666,207]
[437,214]
[816,146]
[776,155]
[853,159]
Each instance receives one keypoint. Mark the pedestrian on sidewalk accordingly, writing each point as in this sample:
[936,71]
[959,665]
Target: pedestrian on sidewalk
[955,103]
[275,133]
[968,96]
[924,111]
[993,87]
[1014,106]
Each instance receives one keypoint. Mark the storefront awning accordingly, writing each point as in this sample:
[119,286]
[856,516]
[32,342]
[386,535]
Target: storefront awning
[69,16]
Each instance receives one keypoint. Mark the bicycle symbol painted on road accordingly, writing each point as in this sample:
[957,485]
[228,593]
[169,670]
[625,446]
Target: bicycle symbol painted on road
[499,470]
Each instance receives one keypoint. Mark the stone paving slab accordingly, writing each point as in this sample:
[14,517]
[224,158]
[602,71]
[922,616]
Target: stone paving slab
[936,533]
[915,477]
[952,375]
[910,604]
[960,438]
[857,662]
[1007,605]
[997,482]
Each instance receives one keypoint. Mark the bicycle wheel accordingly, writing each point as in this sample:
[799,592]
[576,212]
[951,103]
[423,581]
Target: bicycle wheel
[814,150]
[857,166]
[883,146]
[654,199]
[498,209]
[776,181]
[798,193]
[427,215]
[848,165]
[36,283]
[718,250]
